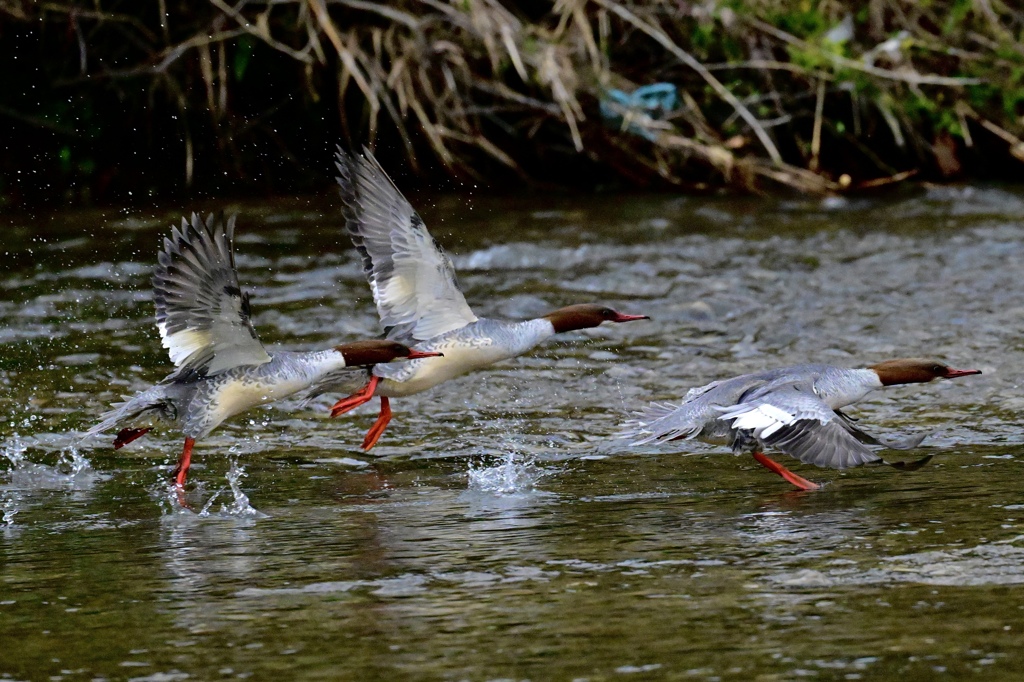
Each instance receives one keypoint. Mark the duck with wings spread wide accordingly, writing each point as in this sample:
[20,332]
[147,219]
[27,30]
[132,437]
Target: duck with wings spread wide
[419,300]
[222,368]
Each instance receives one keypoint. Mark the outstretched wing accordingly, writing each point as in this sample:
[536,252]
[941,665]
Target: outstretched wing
[907,443]
[413,281]
[202,314]
[794,420]
[694,416]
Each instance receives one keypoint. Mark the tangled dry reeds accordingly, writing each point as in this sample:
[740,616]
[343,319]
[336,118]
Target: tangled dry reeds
[822,97]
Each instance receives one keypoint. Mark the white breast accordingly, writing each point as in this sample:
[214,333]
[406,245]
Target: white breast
[847,387]
[225,396]
[466,350]
[237,396]
[430,372]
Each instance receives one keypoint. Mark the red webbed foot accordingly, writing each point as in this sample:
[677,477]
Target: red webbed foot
[772,465]
[181,471]
[377,430]
[356,399]
[125,436]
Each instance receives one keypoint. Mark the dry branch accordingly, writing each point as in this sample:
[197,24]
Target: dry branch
[482,87]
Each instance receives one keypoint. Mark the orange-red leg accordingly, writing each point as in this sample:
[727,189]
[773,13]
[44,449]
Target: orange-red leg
[125,436]
[377,430]
[772,465]
[356,399]
[181,471]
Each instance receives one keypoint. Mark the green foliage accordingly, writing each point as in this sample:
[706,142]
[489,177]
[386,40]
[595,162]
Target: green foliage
[956,16]
[65,159]
[803,21]
[243,55]
[703,37]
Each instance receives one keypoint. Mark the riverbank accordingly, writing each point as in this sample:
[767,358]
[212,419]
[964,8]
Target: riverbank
[178,101]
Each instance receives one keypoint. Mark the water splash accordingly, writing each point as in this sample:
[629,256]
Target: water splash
[8,509]
[72,472]
[14,451]
[72,469]
[168,493]
[72,462]
[514,474]
[239,507]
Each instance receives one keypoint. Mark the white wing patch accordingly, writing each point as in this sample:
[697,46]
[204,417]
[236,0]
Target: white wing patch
[181,345]
[763,419]
[201,312]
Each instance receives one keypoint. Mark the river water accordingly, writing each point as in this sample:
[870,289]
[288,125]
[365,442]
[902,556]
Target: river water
[499,530]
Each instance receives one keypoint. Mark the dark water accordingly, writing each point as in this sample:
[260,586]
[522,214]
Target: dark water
[500,532]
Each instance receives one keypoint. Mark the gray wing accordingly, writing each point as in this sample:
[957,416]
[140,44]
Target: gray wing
[202,314]
[794,420]
[413,281]
[695,416]
[907,443]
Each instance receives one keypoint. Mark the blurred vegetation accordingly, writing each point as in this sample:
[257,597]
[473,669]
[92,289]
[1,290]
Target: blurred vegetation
[122,100]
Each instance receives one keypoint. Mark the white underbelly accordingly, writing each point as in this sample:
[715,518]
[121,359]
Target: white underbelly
[430,372]
[238,396]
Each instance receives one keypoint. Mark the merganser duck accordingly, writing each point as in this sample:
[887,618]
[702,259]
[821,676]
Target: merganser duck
[222,368]
[795,409]
[419,300]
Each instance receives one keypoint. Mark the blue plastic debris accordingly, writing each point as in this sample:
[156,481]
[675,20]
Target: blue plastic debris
[654,101]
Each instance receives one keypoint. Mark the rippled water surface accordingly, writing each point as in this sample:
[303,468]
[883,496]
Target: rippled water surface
[499,531]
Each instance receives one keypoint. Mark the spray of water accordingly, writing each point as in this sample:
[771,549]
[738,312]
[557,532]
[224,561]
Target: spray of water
[516,472]
[513,474]
[239,507]
[23,476]
[8,508]
[10,504]
[14,451]
[72,462]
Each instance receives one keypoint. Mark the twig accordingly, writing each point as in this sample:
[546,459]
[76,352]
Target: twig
[962,109]
[722,159]
[170,56]
[391,13]
[162,8]
[1016,144]
[770,65]
[263,35]
[37,121]
[499,89]
[116,17]
[82,61]
[481,142]
[892,179]
[13,10]
[819,107]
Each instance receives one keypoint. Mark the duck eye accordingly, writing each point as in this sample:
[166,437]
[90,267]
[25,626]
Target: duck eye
[607,312]
[938,369]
